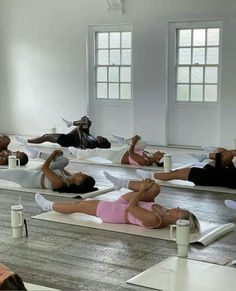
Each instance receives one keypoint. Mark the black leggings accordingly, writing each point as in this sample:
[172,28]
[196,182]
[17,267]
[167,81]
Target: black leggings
[214,176]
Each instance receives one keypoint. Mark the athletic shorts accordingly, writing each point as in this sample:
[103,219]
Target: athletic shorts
[68,140]
[206,176]
[112,211]
[210,176]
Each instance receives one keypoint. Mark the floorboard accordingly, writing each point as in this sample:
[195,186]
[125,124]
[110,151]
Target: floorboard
[79,258]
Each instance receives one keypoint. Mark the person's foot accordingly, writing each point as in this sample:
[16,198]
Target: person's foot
[144,174]
[73,151]
[209,149]
[199,157]
[21,139]
[44,204]
[230,204]
[67,122]
[33,153]
[120,139]
[117,182]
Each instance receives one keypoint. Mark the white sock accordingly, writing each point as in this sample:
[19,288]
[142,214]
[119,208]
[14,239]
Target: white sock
[44,204]
[140,145]
[231,204]
[34,154]
[200,157]
[117,182]
[209,149]
[120,139]
[145,174]
[21,139]
[73,151]
[68,122]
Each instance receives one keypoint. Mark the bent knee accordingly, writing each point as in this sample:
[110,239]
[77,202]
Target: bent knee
[156,188]
[228,155]
[226,158]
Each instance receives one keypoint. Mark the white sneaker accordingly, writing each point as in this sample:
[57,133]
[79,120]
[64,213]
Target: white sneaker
[209,149]
[144,174]
[120,139]
[21,139]
[199,157]
[230,204]
[44,204]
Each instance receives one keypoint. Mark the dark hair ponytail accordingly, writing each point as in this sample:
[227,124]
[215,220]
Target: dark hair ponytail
[85,187]
[23,159]
[13,282]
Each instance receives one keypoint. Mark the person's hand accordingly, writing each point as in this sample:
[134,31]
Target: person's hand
[84,120]
[146,184]
[135,138]
[158,155]
[220,150]
[57,153]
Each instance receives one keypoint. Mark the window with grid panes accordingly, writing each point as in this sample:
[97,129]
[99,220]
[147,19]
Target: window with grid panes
[113,65]
[197,64]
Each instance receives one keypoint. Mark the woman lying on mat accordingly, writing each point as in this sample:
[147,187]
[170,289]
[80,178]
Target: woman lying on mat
[133,154]
[19,155]
[5,152]
[4,142]
[78,137]
[140,144]
[10,280]
[137,207]
[51,175]
[219,172]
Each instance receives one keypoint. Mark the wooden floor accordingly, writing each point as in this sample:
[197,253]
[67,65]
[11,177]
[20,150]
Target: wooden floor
[78,258]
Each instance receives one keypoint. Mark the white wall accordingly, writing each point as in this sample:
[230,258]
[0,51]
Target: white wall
[43,63]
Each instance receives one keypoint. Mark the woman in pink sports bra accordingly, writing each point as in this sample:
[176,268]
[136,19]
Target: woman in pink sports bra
[127,154]
[137,207]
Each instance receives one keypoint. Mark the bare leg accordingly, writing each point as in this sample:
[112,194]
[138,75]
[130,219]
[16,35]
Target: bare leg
[88,207]
[226,158]
[51,137]
[75,131]
[181,174]
[148,196]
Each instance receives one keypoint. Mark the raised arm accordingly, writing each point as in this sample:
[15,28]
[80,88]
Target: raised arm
[4,157]
[84,122]
[141,160]
[3,161]
[227,157]
[56,180]
[59,162]
[148,218]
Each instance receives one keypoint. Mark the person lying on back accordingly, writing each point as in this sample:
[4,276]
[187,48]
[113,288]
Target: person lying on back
[5,152]
[79,137]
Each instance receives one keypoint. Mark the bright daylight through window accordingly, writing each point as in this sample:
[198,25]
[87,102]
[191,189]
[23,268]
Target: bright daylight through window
[113,65]
[197,64]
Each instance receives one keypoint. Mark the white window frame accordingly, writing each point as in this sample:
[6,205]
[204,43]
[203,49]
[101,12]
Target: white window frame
[172,78]
[91,60]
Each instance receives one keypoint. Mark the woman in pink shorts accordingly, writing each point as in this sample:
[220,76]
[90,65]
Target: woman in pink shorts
[137,207]
[132,153]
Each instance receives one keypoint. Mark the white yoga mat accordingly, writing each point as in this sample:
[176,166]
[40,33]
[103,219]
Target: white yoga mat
[32,164]
[33,287]
[47,144]
[104,162]
[179,274]
[36,164]
[16,187]
[190,185]
[209,231]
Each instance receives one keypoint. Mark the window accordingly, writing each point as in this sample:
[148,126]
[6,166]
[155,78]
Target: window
[113,55]
[197,64]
